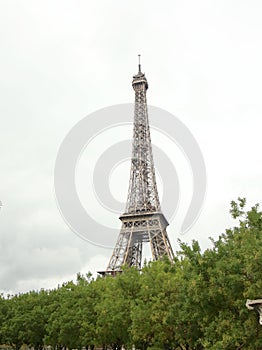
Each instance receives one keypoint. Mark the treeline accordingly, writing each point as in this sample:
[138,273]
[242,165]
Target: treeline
[198,302]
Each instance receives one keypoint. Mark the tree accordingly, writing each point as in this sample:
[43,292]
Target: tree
[72,316]
[113,308]
[25,320]
[3,317]
[235,275]
[153,320]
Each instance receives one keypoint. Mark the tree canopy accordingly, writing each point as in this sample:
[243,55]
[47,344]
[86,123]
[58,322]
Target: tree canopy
[195,302]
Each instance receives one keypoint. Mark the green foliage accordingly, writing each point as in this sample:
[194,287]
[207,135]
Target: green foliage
[113,309]
[197,302]
[71,323]
[24,320]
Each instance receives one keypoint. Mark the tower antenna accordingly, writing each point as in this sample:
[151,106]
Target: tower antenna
[139,65]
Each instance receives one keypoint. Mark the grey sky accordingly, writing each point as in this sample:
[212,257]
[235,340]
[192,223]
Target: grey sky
[61,60]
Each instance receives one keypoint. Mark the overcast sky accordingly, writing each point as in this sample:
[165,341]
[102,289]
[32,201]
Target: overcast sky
[61,60]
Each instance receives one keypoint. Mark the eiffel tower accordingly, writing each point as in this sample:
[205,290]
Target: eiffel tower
[143,220]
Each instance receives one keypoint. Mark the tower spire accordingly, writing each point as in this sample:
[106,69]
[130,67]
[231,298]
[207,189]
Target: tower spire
[143,220]
[139,64]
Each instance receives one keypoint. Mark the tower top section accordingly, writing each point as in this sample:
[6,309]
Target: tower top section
[139,80]
[142,193]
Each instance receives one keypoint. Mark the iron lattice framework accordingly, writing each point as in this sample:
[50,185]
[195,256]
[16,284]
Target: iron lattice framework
[143,220]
